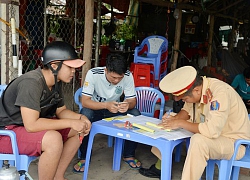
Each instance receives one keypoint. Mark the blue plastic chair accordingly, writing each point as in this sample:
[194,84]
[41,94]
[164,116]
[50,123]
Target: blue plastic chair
[2,88]
[229,169]
[77,98]
[21,162]
[152,50]
[147,98]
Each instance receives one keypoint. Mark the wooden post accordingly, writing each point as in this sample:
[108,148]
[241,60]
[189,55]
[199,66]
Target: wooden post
[98,33]
[211,31]
[176,40]
[88,37]
[233,36]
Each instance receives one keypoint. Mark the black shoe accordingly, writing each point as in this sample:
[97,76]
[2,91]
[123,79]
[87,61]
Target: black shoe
[152,172]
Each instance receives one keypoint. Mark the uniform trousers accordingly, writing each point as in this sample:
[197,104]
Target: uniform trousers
[202,149]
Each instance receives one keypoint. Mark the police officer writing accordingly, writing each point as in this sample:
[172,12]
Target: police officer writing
[213,111]
[33,107]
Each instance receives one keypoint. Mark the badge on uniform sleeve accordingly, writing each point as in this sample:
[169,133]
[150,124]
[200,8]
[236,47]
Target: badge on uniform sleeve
[215,105]
[86,84]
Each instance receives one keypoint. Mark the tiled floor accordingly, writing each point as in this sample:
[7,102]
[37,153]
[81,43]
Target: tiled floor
[101,164]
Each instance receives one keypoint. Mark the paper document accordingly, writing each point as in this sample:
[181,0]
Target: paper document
[149,126]
[157,126]
[117,118]
[145,128]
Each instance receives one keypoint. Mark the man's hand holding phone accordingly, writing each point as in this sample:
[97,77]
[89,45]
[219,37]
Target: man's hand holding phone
[123,106]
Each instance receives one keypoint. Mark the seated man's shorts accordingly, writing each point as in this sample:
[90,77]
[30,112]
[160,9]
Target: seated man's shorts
[28,143]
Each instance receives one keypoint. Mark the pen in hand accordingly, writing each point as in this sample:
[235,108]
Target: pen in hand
[166,115]
[169,112]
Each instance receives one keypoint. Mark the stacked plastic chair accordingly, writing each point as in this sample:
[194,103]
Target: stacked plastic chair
[153,51]
[142,75]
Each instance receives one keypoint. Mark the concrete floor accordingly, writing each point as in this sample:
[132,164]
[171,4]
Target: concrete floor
[101,164]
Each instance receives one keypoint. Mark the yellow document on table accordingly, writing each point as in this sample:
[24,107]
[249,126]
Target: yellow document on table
[157,126]
[153,124]
[143,127]
[117,118]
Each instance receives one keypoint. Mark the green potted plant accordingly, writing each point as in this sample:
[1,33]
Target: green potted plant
[125,33]
[104,40]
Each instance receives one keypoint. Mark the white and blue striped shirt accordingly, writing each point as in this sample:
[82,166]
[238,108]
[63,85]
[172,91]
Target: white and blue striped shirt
[101,90]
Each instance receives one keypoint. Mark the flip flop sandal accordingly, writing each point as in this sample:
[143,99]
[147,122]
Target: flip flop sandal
[134,161]
[80,165]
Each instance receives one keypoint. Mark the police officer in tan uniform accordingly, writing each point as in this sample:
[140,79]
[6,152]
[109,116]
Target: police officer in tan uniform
[213,110]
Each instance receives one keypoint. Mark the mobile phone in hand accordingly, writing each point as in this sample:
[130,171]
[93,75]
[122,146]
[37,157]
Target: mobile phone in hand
[124,102]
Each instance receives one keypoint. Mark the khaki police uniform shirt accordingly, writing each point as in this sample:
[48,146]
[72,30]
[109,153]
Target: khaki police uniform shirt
[224,114]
